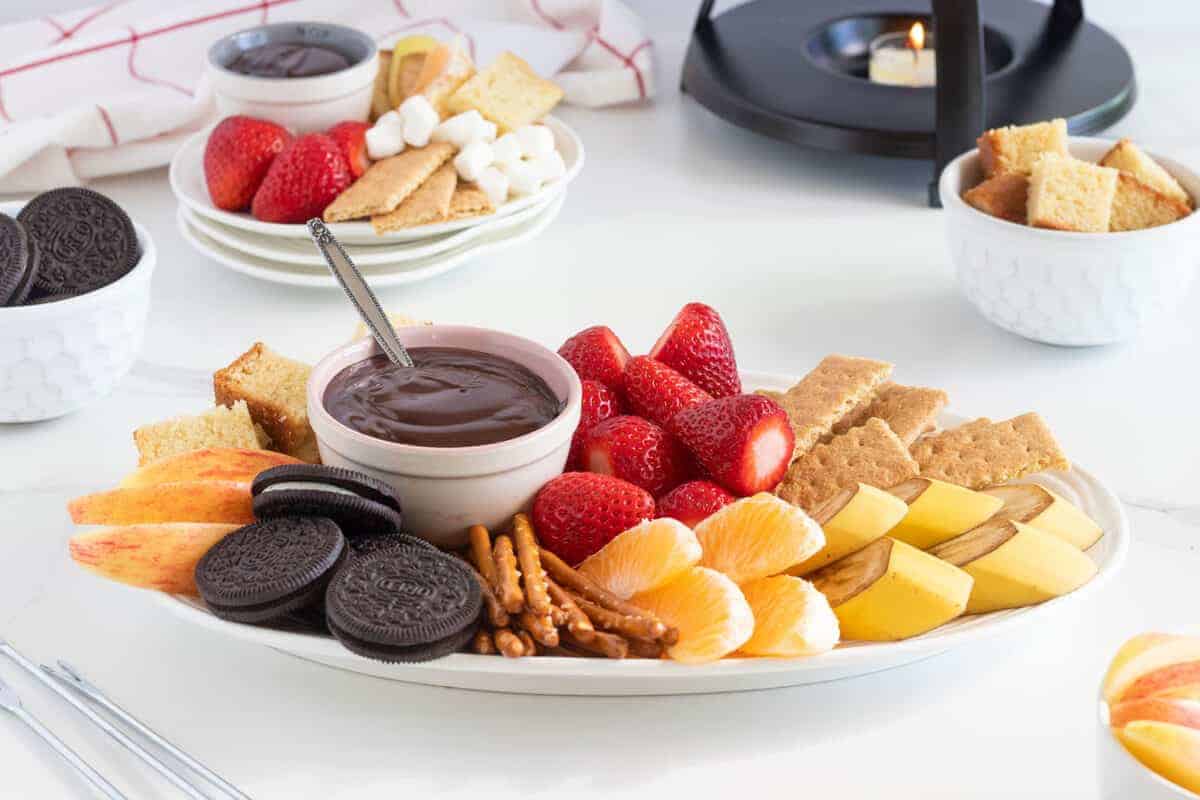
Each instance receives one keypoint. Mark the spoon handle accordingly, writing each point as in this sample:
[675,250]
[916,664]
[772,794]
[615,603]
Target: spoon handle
[359,292]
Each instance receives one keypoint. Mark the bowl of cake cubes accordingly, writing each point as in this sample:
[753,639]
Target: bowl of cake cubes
[1070,240]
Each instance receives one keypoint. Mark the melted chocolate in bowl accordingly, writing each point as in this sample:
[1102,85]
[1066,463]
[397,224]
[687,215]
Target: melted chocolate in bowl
[277,60]
[453,397]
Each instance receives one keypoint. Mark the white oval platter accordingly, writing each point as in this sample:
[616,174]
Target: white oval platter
[597,676]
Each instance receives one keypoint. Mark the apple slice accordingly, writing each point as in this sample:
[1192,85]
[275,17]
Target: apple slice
[207,464]
[189,501]
[1145,654]
[1176,711]
[1173,751]
[161,556]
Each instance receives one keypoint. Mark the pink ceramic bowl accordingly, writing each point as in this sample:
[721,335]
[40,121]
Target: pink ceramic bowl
[445,490]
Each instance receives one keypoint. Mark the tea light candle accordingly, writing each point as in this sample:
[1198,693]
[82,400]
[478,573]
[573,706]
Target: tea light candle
[899,59]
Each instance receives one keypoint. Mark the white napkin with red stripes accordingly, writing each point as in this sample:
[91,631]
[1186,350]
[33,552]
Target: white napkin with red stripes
[117,87]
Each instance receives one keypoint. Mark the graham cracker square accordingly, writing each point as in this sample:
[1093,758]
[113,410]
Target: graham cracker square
[429,203]
[387,183]
[983,453]
[469,201]
[827,394]
[908,410]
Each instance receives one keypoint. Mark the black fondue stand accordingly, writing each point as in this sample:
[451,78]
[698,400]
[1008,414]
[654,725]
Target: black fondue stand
[797,70]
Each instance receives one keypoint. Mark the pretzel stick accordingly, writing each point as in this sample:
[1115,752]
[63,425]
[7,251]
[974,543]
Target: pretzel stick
[644,628]
[558,616]
[536,596]
[508,586]
[541,628]
[640,649]
[531,648]
[606,644]
[585,587]
[481,553]
[483,643]
[508,643]
[577,621]
[497,617]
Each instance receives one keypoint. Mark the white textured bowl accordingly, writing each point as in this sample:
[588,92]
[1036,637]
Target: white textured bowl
[302,105]
[444,490]
[57,357]
[1069,288]
[1123,777]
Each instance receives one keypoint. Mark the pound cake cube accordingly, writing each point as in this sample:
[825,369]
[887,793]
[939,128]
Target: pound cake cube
[1137,205]
[1128,157]
[1003,196]
[508,92]
[1066,194]
[219,427]
[273,388]
[1016,148]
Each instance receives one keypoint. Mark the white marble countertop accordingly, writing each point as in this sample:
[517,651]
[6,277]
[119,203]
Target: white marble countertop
[804,253]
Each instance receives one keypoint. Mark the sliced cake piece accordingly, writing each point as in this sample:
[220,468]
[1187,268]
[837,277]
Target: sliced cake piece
[1004,196]
[1066,194]
[273,388]
[218,427]
[1016,148]
[1137,205]
[983,453]
[1128,157]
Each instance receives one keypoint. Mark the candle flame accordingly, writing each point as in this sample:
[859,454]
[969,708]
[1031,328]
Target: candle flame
[916,36]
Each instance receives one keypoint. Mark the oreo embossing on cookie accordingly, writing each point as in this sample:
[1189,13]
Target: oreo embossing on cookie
[85,240]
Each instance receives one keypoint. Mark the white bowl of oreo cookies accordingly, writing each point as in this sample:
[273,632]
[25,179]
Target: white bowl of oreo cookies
[74,294]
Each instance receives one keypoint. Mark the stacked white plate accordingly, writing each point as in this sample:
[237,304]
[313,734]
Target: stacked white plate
[284,253]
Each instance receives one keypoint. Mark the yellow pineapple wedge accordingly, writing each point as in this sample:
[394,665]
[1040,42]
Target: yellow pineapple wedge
[851,520]
[1015,565]
[890,591]
[939,511]
[1043,509]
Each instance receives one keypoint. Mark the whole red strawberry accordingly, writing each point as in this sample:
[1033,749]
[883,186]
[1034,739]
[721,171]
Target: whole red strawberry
[351,136]
[744,441]
[599,403]
[698,346]
[237,155]
[655,391]
[597,354]
[693,502]
[302,181]
[638,451]
[577,513]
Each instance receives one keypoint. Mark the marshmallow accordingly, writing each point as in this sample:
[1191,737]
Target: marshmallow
[494,184]
[386,137]
[420,119]
[522,178]
[485,130]
[549,167]
[460,129]
[506,149]
[472,160]
[536,140]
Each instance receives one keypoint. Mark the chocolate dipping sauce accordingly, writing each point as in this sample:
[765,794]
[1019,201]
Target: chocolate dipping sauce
[288,61]
[453,397]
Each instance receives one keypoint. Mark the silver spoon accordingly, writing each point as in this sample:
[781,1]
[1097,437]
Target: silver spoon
[359,292]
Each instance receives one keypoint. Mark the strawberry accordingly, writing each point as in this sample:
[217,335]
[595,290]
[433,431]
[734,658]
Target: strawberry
[597,354]
[697,345]
[744,441]
[577,513]
[302,181]
[351,137]
[693,502]
[599,403]
[237,155]
[655,391]
[638,451]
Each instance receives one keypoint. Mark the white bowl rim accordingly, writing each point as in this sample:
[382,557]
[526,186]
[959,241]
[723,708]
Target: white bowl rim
[368,348]
[952,201]
[142,269]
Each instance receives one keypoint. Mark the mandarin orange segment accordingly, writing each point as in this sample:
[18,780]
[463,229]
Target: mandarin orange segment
[791,618]
[758,536]
[644,557]
[709,610]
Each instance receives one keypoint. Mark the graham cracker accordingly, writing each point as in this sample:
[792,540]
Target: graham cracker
[983,453]
[429,203]
[827,394]
[908,410]
[469,201]
[387,183]
[870,454]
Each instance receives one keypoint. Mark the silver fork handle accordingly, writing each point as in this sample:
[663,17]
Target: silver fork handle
[70,756]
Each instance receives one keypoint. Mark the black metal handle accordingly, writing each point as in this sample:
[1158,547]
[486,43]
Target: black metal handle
[960,90]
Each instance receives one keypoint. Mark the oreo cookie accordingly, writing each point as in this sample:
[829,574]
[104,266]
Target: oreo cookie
[264,571]
[366,545]
[18,262]
[85,240]
[403,604]
[361,505]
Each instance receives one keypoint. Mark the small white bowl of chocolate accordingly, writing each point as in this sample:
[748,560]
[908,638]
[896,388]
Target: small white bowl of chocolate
[1070,241]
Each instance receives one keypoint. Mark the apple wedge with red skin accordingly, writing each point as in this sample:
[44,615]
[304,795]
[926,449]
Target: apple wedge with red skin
[207,464]
[190,501]
[161,556]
